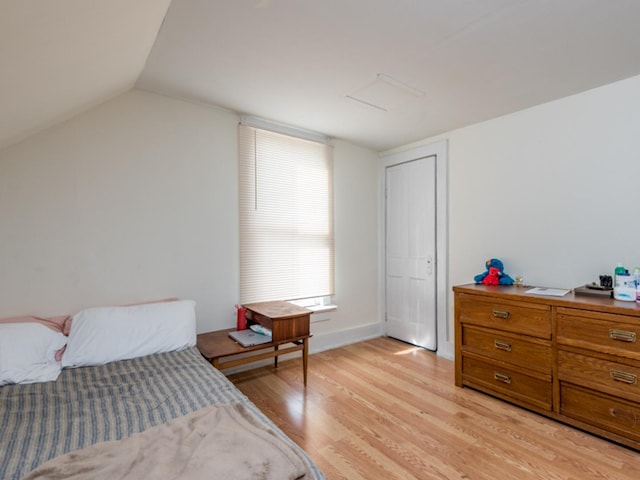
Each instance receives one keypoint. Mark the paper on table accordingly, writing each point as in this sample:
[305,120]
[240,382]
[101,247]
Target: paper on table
[553,292]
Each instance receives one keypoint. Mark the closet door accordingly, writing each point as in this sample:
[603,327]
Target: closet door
[410,229]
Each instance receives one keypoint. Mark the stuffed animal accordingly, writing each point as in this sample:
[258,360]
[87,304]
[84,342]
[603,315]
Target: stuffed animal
[494,275]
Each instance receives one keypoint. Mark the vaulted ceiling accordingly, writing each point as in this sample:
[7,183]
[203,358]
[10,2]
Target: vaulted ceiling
[380,73]
[62,57]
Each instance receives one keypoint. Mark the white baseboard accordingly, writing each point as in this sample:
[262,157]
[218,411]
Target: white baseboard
[320,343]
[328,341]
[446,350]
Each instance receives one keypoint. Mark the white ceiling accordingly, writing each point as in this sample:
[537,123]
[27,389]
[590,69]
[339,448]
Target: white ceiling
[296,61]
[61,57]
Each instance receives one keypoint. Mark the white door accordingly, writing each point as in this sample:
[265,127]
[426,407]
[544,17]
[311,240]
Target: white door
[411,252]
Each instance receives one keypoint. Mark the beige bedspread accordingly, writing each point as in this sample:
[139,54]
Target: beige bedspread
[220,442]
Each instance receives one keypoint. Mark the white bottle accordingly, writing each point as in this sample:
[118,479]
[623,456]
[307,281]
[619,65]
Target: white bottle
[625,288]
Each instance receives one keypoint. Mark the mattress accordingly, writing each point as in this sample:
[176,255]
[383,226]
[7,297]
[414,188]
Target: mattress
[85,406]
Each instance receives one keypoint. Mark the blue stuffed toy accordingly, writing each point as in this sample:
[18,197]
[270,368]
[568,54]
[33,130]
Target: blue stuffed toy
[494,275]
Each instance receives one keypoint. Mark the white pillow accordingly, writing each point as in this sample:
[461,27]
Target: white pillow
[105,334]
[27,353]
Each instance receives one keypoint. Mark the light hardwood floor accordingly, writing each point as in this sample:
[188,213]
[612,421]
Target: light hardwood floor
[381,409]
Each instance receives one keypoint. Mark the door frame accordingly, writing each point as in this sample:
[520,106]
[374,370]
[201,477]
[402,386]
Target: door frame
[440,151]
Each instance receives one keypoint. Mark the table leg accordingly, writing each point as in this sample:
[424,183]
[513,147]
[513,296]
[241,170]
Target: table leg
[305,358]
[275,358]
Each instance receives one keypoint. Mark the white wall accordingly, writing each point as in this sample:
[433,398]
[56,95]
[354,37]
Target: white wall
[356,180]
[550,190]
[137,199]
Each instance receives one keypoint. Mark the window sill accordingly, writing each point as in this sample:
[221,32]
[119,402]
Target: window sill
[321,313]
[322,308]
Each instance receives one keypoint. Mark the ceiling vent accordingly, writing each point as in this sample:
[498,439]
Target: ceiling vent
[384,93]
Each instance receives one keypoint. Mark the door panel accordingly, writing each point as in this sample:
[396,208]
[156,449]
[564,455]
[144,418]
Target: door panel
[410,252]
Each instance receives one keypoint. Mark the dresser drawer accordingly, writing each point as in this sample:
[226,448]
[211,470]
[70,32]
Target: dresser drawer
[511,316]
[509,348]
[605,333]
[606,412]
[610,377]
[521,388]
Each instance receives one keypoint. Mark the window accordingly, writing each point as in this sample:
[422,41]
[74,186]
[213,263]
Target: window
[286,217]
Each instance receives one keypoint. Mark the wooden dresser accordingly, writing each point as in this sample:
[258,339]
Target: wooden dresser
[573,358]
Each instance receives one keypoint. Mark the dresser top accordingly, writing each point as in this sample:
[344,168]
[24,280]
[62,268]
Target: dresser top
[570,300]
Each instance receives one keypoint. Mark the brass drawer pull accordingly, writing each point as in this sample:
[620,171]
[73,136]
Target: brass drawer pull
[622,335]
[624,377]
[502,345]
[501,377]
[500,313]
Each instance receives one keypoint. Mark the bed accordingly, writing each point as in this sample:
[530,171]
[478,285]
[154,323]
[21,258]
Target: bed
[96,409]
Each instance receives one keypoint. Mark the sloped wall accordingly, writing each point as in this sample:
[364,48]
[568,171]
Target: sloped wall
[137,200]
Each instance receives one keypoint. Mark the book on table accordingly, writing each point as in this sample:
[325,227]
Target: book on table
[249,338]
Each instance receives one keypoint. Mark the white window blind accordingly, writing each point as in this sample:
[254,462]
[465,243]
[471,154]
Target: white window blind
[286,217]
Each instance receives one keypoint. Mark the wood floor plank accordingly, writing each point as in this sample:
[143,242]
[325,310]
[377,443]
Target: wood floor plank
[381,409]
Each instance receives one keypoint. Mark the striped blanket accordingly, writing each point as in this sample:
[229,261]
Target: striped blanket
[85,406]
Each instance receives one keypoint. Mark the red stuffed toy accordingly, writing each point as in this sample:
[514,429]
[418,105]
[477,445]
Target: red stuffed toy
[493,277]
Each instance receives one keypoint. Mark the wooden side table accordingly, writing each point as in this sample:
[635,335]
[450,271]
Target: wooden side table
[288,323]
